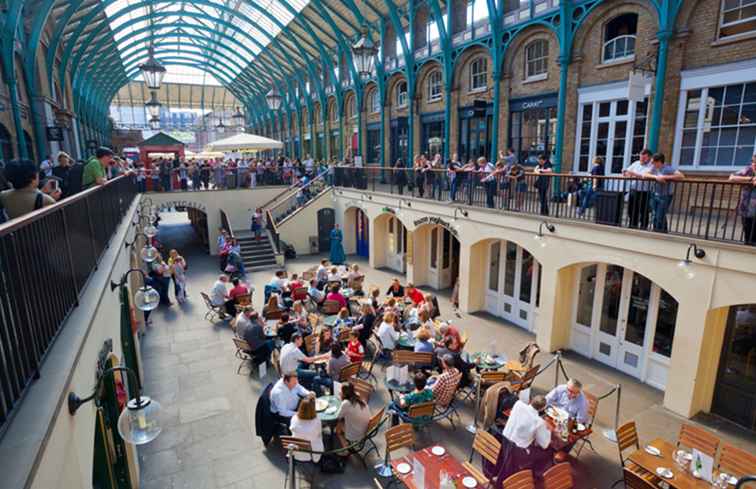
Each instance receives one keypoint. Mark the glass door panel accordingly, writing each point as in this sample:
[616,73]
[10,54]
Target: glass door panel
[637,314]
[612,298]
[586,295]
[434,248]
[526,276]
[510,268]
[493,267]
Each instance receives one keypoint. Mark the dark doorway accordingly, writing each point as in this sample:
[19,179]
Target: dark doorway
[326,220]
[735,393]
[361,230]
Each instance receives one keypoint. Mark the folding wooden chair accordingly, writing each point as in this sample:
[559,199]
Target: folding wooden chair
[558,477]
[362,388]
[634,481]
[420,415]
[330,308]
[627,438]
[300,294]
[371,432]
[372,356]
[526,381]
[311,344]
[212,310]
[735,461]
[592,408]
[521,480]
[302,446]
[694,437]
[349,371]
[344,335]
[488,448]
[397,437]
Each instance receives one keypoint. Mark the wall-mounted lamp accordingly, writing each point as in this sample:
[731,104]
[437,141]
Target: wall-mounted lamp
[139,423]
[686,266]
[149,253]
[146,298]
[539,237]
[461,211]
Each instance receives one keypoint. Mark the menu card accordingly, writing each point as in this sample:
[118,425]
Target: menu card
[703,463]
[400,375]
[418,472]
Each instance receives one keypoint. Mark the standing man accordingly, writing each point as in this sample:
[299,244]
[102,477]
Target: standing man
[165,176]
[46,167]
[95,170]
[663,190]
[543,182]
[747,206]
[639,200]
[455,176]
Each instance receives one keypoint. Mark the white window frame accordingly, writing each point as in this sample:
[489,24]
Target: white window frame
[614,40]
[435,88]
[401,95]
[723,25]
[474,75]
[544,57]
[375,102]
[703,79]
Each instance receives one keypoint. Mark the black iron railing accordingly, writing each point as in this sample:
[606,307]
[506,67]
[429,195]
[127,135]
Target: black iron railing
[183,180]
[47,258]
[696,208]
[286,203]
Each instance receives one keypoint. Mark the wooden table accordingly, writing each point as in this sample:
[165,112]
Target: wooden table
[434,465]
[681,479]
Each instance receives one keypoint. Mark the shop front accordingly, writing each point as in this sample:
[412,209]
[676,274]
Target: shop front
[432,134]
[475,130]
[335,147]
[532,127]
[399,140]
[373,148]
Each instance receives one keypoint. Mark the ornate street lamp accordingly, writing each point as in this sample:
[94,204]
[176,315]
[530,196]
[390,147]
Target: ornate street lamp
[155,123]
[152,72]
[364,52]
[153,105]
[238,118]
[274,99]
[221,127]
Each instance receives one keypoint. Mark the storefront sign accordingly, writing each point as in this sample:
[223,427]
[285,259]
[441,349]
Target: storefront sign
[530,103]
[438,221]
[54,133]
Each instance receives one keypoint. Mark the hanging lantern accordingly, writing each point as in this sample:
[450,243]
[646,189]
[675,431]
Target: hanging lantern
[238,118]
[221,127]
[155,123]
[152,72]
[364,52]
[153,105]
[274,99]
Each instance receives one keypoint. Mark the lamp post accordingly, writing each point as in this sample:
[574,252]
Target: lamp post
[139,422]
[155,123]
[152,71]
[149,253]
[238,119]
[364,52]
[153,105]
[273,99]
[221,127]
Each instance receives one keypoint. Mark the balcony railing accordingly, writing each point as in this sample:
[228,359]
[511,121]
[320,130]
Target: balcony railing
[150,180]
[48,256]
[282,206]
[702,209]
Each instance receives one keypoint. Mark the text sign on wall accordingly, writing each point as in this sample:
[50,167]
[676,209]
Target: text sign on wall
[436,220]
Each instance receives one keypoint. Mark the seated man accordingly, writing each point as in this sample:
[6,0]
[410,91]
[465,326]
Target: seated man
[446,384]
[418,396]
[451,337]
[414,295]
[315,293]
[321,276]
[219,297]
[251,329]
[239,289]
[335,295]
[279,282]
[292,359]
[285,396]
[395,289]
[526,438]
[570,397]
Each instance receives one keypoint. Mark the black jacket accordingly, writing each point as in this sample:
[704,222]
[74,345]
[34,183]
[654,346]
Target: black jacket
[265,425]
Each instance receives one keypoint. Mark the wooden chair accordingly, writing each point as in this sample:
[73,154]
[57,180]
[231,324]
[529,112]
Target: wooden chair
[411,358]
[627,438]
[698,438]
[399,436]
[521,480]
[349,371]
[331,307]
[735,461]
[592,408]
[488,448]
[274,314]
[243,300]
[634,481]
[374,423]
[362,388]
[558,477]
[526,381]
[243,353]
[299,294]
[372,354]
[212,311]
[311,344]
[420,415]
[302,446]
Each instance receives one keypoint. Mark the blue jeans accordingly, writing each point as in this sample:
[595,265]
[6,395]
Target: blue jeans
[142,186]
[165,182]
[659,206]
[312,381]
[490,193]
[589,195]
[438,185]
[453,188]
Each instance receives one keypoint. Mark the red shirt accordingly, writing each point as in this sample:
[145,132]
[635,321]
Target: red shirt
[237,291]
[355,351]
[453,332]
[336,296]
[416,296]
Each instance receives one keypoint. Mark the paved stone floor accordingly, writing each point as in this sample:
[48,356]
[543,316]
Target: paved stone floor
[208,440]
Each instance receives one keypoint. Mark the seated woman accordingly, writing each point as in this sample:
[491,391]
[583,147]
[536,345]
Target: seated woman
[425,320]
[307,426]
[334,275]
[298,313]
[395,289]
[342,321]
[354,276]
[272,306]
[414,295]
[286,328]
[423,343]
[354,416]
[325,340]
[337,362]
[374,294]
[388,331]
[365,323]
[355,350]
[431,303]
[418,396]
[335,295]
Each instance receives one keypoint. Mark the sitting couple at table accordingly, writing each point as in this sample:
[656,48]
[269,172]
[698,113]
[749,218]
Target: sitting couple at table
[293,359]
[397,291]
[440,388]
[250,328]
[286,328]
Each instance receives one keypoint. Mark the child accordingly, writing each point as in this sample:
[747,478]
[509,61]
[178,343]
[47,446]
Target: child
[355,350]
[342,321]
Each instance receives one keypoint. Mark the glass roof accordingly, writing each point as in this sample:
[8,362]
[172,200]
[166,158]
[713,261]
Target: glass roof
[225,34]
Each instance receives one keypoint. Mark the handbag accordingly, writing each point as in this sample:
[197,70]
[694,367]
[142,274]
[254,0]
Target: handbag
[332,464]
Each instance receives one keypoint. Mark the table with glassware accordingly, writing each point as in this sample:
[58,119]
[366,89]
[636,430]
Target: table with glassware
[327,408]
[440,470]
[394,386]
[673,466]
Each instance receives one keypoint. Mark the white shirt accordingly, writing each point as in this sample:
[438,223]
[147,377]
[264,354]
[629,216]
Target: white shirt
[46,167]
[322,274]
[525,427]
[388,335]
[218,294]
[279,283]
[284,401]
[334,277]
[640,169]
[290,358]
[310,430]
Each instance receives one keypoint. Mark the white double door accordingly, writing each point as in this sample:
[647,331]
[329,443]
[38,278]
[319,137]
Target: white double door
[440,258]
[615,315]
[512,283]
[397,246]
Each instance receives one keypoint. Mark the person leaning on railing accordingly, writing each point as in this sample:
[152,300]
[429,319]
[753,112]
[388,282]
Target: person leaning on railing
[747,205]
[662,190]
[25,196]
[95,168]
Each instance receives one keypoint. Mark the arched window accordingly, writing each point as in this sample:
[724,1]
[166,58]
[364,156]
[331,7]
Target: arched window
[478,74]
[536,59]
[435,86]
[401,94]
[619,38]
[375,102]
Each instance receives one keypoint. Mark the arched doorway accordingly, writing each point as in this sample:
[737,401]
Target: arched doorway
[735,389]
[624,320]
[436,256]
[513,281]
[6,146]
[362,234]
[326,221]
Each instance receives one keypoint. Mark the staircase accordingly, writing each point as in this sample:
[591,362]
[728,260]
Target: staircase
[257,254]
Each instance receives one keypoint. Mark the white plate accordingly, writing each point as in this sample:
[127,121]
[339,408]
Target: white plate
[404,468]
[664,472]
[652,450]
[438,450]
[331,410]
[321,405]
[580,427]
[469,482]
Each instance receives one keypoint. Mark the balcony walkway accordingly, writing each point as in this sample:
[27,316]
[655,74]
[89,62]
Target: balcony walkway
[208,441]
